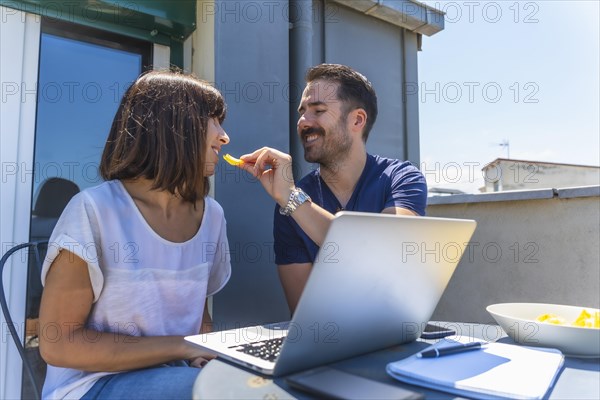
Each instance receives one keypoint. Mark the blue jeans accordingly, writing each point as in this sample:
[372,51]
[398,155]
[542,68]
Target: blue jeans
[163,382]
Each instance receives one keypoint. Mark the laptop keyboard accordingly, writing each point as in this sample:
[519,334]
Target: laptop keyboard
[265,349]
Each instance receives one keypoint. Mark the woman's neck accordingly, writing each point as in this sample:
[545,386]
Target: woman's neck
[170,216]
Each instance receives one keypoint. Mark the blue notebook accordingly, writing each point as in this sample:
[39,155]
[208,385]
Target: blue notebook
[497,370]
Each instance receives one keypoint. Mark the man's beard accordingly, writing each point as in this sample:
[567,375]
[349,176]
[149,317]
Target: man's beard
[335,147]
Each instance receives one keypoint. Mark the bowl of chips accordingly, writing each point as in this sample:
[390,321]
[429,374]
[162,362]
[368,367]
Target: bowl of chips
[573,330]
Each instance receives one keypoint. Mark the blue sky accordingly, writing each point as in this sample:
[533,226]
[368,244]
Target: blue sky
[526,72]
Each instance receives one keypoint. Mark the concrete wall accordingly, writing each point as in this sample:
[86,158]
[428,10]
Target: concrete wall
[531,246]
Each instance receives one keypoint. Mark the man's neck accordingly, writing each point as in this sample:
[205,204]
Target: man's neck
[342,177]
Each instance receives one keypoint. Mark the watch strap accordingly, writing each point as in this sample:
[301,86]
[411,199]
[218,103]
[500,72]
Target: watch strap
[297,198]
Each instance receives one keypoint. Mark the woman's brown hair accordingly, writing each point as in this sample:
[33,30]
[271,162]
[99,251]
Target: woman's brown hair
[159,133]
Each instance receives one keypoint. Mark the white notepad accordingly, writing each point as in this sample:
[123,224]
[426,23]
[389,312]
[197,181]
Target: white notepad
[498,370]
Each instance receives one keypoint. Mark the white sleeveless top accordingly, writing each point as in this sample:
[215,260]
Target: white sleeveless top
[143,284]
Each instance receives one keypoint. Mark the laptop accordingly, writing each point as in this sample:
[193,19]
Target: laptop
[375,283]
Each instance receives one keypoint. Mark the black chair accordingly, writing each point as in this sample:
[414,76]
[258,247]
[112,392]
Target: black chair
[50,201]
[53,196]
[33,248]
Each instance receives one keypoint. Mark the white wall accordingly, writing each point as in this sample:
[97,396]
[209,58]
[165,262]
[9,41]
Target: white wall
[160,57]
[19,49]
[523,175]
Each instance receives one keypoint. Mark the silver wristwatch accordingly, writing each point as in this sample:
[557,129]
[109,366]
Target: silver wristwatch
[297,197]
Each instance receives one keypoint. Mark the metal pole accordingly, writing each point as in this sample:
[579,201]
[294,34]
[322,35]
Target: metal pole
[301,58]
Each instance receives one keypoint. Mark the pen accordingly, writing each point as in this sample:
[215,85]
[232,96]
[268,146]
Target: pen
[443,351]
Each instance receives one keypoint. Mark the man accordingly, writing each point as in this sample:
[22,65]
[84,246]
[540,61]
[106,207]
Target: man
[337,111]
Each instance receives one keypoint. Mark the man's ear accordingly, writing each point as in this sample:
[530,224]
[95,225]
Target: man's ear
[358,119]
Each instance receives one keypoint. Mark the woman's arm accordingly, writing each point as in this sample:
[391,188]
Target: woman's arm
[293,278]
[207,323]
[207,327]
[65,342]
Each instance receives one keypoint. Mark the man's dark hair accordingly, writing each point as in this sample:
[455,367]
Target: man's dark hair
[159,133]
[354,89]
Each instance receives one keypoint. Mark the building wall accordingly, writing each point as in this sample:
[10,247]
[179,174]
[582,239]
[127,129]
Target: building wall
[251,70]
[519,175]
[262,98]
[539,246]
[355,47]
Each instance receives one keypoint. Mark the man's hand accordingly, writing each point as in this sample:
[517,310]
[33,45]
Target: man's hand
[278,180]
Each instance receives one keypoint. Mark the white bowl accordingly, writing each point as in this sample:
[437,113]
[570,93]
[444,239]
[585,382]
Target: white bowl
[518,321]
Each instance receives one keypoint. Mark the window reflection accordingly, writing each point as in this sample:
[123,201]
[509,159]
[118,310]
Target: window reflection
[79,90]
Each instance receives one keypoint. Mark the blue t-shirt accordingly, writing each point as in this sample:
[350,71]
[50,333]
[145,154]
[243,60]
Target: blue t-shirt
[383,183]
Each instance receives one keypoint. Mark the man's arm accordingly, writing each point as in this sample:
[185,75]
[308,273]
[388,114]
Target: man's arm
[313,220]
[274,170]
[408,194]
[399,211]
[293,278]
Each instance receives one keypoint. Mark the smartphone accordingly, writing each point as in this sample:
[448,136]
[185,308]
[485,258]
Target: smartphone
[327,382]
[433,331]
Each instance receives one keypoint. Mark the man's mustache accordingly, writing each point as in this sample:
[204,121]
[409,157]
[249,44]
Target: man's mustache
[311,130]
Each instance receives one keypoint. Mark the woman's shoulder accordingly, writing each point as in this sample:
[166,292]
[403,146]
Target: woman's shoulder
[105,196]
[212,206]
[90,193]
[106,191]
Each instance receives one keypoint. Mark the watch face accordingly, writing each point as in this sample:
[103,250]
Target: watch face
[302,197]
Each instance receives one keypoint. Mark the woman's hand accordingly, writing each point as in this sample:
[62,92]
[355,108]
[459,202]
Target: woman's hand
[278,180]
[201,361]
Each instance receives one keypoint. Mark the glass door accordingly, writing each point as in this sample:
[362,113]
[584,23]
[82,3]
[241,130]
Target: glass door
[83,74]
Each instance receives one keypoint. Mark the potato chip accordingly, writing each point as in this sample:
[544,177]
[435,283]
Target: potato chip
[588,320]
[584,320]
[551,319]
[232,160]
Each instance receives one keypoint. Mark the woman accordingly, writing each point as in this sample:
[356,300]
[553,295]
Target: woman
[131,261]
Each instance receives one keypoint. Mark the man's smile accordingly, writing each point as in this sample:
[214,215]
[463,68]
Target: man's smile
[312,134]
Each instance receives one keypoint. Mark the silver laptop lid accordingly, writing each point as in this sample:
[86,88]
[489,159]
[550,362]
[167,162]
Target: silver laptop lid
[376,282]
